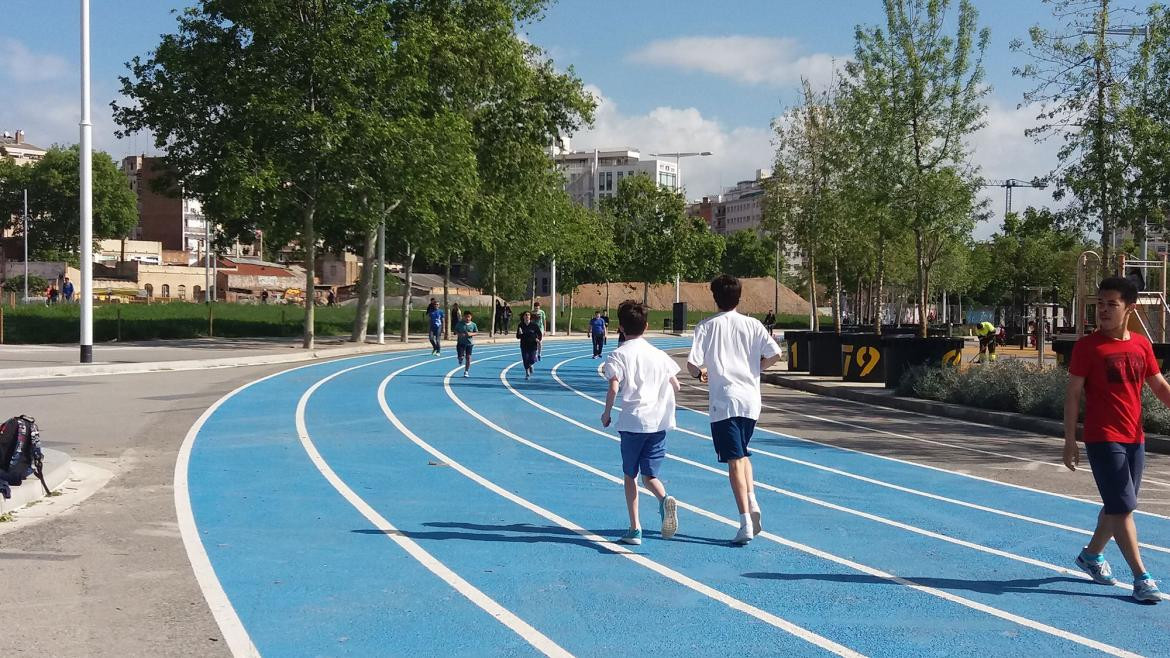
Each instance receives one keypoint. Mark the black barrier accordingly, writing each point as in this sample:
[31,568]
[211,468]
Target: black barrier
[679,317]
[1063,350]
[902,352]
[1162,354]
[797,350]
[824,353]
[861,358]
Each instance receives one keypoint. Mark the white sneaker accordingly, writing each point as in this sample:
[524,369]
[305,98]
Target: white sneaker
[466,373]
[669,512]
[757,525]
[743,536]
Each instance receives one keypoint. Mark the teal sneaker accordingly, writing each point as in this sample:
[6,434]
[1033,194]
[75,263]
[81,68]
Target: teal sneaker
[668,512]
[1146,591]
[632,537]
[1100,571]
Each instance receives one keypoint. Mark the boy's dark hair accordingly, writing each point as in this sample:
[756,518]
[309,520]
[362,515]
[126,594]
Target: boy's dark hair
[632,318]
[726,290]
[1129,291]
[467,314]
[535,304]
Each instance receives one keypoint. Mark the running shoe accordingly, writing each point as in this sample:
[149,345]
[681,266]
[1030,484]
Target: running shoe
[632,537]
[527,375]
[743,536]
[1146,591]
[757,522]
[668,510]
[466,373]
[1101,572]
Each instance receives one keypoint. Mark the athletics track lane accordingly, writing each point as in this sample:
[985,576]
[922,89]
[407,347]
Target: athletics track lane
[308,575]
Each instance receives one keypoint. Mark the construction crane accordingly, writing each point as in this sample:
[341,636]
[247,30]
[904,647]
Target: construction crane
[1009,184]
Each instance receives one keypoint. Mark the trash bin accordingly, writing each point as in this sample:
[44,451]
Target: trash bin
[1063,350]
[824,353]
[901,352]
[861,358]
[1162,354]
[679,317]
[797,350]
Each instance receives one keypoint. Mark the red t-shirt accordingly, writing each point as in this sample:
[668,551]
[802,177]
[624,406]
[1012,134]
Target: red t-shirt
[1114,371]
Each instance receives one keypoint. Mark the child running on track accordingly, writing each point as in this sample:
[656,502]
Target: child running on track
[730,350]
[541,319]
[529,335]
[645,376]
[465,332]
[1109,366]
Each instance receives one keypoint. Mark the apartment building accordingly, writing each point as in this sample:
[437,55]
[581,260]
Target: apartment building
[13,147]
[591,176]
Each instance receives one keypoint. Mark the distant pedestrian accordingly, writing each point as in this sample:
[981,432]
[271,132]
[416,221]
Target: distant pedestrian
[529,335]
[646,379]
[53,294]
[264,297]
[435,329]
[541,319]
[67,290]
[330,298]
[597,333]
[770,321]
[498,317]
[730,350]
[465,333]
[456,316]
[507,319]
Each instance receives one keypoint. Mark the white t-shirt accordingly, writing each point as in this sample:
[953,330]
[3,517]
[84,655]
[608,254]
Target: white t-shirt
[647,398]
[730,345]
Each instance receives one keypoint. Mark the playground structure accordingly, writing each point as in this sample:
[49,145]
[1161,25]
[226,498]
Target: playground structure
[1152,316]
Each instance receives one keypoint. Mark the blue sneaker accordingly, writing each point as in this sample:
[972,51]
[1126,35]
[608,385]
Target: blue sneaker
[632,537]
[1101,573]
[1146,591]
[668,511]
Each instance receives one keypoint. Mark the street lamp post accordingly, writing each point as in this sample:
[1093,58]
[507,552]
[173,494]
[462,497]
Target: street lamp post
[86,175]
[25,300]
[678,187]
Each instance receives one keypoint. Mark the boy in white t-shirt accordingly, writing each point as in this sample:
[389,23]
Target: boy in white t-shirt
[645,377]
[730,350]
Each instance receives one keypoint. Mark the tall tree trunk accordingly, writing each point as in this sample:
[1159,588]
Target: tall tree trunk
[776,283]
[532,303]
[310,245]
[569,329]
[494,289]
[645,293]
[409,268]
[812,293]
[361,321]
[607,299]
[921,271]
[446,295]
[879,294]
[836,295]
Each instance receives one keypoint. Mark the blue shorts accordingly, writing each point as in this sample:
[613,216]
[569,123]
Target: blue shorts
[643,451]
[731,437]
[1117,468]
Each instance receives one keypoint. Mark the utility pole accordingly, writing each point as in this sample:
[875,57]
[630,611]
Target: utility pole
[25,299]
[382,283]
[86,175]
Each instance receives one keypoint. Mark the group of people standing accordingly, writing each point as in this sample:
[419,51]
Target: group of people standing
[53,296]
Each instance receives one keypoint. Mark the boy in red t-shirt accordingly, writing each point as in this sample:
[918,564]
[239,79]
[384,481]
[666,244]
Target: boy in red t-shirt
[1109,366]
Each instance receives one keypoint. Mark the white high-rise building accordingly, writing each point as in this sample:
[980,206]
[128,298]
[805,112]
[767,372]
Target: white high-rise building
[594,175]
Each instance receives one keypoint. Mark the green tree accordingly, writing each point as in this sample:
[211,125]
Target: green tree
[930,83]
[655,234]
[54,203]
[747,255]
[1083,103]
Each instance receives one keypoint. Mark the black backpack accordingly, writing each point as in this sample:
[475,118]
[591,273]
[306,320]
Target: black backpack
[20,451]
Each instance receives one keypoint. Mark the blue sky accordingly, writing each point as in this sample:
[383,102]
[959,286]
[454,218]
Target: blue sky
[688,75]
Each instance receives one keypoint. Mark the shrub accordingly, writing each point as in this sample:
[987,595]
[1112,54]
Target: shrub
[36,285]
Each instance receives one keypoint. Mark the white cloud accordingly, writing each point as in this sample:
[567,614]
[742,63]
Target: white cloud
[736,152]
[775,62]
[20,64]
[1003,151]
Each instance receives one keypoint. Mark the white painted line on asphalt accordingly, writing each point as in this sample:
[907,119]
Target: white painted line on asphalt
[538,640]
[607,544]
[856,566]
[234,633]
[802,497]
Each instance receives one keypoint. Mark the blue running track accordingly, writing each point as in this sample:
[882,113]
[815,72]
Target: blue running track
[385,505]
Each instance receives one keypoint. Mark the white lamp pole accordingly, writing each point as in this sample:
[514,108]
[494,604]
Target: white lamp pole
[25,300]
[552,296]
[678,188]
[86,292]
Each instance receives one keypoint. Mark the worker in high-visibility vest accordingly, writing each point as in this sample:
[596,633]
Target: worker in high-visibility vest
[987,333]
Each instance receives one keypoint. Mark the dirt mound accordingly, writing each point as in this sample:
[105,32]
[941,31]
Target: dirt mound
[758,296]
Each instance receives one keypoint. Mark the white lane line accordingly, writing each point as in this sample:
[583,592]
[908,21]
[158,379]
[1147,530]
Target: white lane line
[802,497]
[890,485]
[710,592]
[226,617]
[856,566]
[538,640]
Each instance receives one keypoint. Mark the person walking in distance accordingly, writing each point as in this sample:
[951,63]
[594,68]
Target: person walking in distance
[1108,368]
[541,319]
[67,290]
[729,351]
[597,333]
[529,335]
[645,377]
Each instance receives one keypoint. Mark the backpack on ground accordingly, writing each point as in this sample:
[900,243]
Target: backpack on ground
[20,451]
